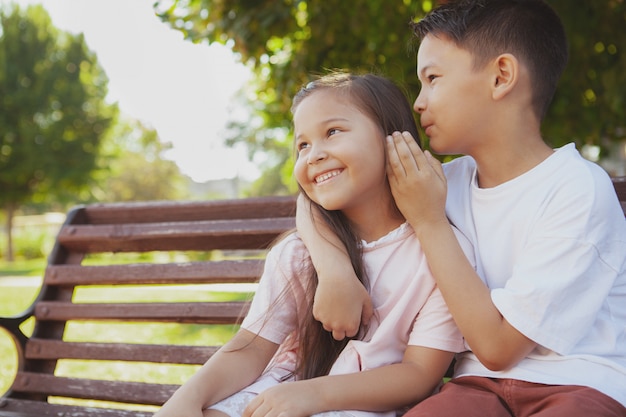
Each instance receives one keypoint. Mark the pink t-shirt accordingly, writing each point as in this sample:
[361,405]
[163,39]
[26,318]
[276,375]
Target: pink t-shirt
[408,307]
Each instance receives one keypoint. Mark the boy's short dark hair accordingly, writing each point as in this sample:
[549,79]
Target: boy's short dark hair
[529,29]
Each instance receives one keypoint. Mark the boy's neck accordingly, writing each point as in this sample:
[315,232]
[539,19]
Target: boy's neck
[499,164]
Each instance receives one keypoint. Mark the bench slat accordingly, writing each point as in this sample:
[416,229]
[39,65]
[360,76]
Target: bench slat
[10,407]
[164,211]
[56,349]
[240,271]
[117,391]
[194,312]
[203,235]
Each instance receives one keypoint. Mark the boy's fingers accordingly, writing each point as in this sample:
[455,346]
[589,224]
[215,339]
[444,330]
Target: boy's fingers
[437,167]
[404,156]
[394,165]
[415,156]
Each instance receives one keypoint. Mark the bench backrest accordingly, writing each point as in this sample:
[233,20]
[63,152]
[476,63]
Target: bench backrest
[127,285]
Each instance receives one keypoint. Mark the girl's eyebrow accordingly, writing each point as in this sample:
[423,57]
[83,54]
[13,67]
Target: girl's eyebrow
[330,120]
[335,119]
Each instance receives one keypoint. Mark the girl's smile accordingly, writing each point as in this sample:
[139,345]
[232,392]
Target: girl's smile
[325,177]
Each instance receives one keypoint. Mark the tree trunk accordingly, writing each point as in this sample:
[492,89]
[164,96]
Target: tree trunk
[10,213]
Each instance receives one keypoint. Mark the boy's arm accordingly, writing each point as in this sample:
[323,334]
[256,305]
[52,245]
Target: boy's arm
[419,188]
[341,302]
[385,388]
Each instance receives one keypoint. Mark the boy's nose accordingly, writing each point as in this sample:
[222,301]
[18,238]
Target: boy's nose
[419,104]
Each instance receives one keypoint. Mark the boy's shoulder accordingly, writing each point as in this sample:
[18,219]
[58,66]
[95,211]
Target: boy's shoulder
[565,176]
[565,165]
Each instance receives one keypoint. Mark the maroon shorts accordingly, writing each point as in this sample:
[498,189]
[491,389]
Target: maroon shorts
[473,396]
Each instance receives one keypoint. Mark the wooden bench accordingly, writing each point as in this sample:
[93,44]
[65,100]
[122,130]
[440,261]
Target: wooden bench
[231,234]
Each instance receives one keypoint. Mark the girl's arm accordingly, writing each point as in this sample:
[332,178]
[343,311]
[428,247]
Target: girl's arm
[235,366]
[341,302]
[382,389]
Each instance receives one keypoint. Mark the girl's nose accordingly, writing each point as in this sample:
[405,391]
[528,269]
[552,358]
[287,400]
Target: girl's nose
[316,155]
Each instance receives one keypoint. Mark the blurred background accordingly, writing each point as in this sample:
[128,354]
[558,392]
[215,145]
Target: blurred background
[111,100]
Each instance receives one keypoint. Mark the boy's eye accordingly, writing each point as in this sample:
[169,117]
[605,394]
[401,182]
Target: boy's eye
[333,131]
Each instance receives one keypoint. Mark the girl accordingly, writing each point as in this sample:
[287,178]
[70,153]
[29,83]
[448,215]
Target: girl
[281,361]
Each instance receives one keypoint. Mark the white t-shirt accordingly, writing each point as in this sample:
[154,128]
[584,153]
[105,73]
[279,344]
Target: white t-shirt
[408,307]
[551,245]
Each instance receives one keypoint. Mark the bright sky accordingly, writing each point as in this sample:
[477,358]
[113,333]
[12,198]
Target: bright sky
[183,90]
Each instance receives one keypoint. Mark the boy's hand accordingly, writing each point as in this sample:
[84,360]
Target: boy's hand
[341,305]
[417,181]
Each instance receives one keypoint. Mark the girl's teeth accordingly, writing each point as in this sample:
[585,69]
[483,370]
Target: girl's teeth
[326,176]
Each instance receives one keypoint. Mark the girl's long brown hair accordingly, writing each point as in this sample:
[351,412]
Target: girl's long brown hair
[383,102]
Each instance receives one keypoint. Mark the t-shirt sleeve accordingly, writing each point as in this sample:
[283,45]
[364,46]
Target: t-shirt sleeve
[274,310]
[560,283]
[435,328]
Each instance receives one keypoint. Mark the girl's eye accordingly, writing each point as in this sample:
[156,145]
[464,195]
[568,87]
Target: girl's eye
[301,146]
[431,78]
[332,131]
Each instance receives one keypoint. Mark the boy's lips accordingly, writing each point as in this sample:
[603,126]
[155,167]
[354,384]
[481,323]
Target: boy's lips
[427,128]
[325,176]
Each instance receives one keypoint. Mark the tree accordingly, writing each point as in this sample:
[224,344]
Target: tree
[286,41]
[52,110]
[133,167]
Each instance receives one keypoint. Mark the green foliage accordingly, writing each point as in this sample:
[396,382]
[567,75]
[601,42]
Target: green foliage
[132,167]
[52,112]
[286,41]
[590,104]
[52,109]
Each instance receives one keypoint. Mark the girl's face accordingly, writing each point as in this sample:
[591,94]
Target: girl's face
[341,154]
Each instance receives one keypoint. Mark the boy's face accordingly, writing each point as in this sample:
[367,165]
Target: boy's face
[454,100]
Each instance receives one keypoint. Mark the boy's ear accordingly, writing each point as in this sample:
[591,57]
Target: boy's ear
[506,75]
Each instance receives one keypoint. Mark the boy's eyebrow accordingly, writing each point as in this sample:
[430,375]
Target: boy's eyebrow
[421,71]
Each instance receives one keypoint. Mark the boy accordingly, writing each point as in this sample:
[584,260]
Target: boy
[544,313]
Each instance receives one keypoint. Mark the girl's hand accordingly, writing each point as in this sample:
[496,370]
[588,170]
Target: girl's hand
[288,399]
[341,303]
[178,409]
[417,181]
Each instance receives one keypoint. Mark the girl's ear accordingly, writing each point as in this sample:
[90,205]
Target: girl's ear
[505,75]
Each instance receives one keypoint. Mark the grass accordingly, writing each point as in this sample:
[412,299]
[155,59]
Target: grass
[19,286]
[23,268]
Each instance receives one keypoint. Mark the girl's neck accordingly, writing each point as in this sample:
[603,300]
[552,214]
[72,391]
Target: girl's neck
[371,225]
